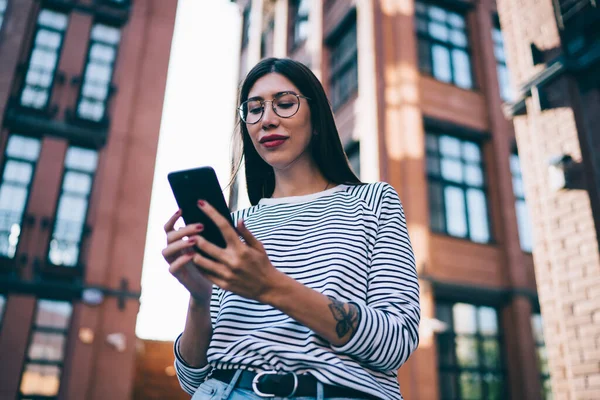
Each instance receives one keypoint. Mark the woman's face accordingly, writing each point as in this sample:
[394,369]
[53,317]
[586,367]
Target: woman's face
[281,142]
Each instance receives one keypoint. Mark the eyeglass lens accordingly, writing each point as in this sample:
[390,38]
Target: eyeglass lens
[285,105]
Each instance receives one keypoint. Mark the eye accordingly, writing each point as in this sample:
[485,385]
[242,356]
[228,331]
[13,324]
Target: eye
[255,110]
[285,105]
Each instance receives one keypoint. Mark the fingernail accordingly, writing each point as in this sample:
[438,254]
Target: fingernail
[201,203]
[178,212]
[199,227]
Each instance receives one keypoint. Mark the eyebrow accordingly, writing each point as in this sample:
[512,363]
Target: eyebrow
[275,95]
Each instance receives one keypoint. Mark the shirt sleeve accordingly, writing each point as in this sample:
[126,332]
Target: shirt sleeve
[189,377]
[388,328]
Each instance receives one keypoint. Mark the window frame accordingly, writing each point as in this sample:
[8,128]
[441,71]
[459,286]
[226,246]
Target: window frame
[43,329]
[501,63]
[481,370]
[77,269]
[246,24]
[296,19]
[104,120]
[55,73]
[544,377]
[438,129]
[461,8]
[3,309]
[348,24]
[34,166]
[520,198]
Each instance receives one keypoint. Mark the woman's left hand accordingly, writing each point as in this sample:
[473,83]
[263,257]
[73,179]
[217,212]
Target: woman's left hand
[241,268]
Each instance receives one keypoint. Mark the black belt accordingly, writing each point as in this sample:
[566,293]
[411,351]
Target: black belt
[271,384]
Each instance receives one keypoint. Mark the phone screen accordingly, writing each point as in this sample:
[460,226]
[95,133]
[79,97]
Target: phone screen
[191,185]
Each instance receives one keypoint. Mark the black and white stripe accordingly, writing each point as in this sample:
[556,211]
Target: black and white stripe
[350,243]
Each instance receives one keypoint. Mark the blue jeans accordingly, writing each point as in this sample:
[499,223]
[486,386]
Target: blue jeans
[214,389]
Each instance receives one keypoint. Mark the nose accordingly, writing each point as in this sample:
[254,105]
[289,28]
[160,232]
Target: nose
[269,118]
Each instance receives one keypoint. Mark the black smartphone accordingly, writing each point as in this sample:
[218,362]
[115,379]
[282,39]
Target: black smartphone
[192,185]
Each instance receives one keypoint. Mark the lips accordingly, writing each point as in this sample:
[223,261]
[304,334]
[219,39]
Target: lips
[272,138]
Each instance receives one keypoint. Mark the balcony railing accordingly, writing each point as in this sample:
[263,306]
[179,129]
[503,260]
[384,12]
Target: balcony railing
[567,10]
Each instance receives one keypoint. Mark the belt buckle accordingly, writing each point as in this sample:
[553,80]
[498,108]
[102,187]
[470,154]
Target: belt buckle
[261,394]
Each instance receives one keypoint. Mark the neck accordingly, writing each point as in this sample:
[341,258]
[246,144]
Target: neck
[300,181]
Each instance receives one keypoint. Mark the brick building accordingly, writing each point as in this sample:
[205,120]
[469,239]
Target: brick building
[81,94]
[554,56]
[417,88]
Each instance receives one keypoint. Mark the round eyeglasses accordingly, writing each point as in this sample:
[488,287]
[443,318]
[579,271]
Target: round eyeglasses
[284,104]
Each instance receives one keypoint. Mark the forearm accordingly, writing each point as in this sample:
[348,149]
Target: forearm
[197,334]
[331,319]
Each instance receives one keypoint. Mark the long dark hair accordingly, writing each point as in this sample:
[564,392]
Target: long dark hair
[326,147]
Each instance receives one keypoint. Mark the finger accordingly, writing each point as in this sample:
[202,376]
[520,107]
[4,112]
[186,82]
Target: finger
[175,268]
[248,236]
[211,249]
[210,268]
[171,251]
[187,230]
[170,225]
[221,222]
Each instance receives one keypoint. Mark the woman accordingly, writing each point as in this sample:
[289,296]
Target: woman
[316,294]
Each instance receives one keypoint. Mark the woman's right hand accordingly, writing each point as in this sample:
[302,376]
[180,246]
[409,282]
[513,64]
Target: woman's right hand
[179,253]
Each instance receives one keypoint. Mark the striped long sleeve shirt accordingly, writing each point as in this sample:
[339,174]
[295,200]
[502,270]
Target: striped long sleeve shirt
[349,243]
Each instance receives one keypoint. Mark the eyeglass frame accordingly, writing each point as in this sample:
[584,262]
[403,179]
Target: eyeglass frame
[262,102]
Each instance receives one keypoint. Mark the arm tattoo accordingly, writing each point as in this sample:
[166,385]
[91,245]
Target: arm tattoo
[347,320]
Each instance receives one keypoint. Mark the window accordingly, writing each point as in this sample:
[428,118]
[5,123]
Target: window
[469,352]
[246,25]
[3,4]
[46,350]
[51,27]
[20,159]
[2,307]
[299,22]
[80,165]
[457,190]
[501,68]
[343,63]
[542,356]
[95,88]
[523,221]
[266,40]
[443,45]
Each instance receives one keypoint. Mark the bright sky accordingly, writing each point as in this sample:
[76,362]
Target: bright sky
[196,130]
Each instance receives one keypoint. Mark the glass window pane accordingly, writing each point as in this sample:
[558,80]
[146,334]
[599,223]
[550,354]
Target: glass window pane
[433,165]
[446,350]
[464,318]
[452,170]
[542,356]
[488,321]
[48,38]
[81,159]
[518,189]
[504,82]
[457,21]
[473,175]
[23,147]
[471,151]
[101,52]
[524,225]
[436,207]
[72,208]
[438,30]
[52,19]
[47,346]
[547,389]
[538,329]
[41,380]
[431,142]
[76,182]
[466,352]
[105,33]
[494,385]
[491,353]
[456,219]
[458,38]
[448,386]
[437,13]
[12,198]
[64,253]
[441,63]
[17,172]
[462,69]
[450,146]
[470,386]
[53,314]
[478,217]
[515,165]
